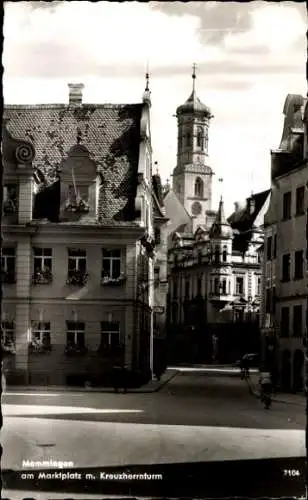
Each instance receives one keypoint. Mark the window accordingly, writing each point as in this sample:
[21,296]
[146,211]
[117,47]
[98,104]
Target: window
[239,285]
[274,300]
[268,300]
[77,266]
[8,336]
[216,255]
[75,336]
[188,139]
[300,200]
[269,248]
[111,264]
[199,188]
[42,265]
[286,266]
[275,247]
[224,254]
[157,236]
[199,285]
[8,265]
[110,335]
[297,321]
[298,265]
[40,337]
[216,286]
[229,287]
[258,291]
[287,198]
[285,322]
[10,199]
[200,138]
[187,288]
[175,288]
[224,287]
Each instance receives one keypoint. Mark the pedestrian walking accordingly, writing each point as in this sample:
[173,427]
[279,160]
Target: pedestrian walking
[266,388]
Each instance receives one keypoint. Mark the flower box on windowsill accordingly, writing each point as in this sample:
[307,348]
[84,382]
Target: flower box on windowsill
[8,278]
[42,278]
[8,350]
[9,207]
[81,207]
[107,280]
[77,278]
[38,348]
[74,350]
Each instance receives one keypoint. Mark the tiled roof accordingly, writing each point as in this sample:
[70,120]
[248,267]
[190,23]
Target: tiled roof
[242,219]
[111,133]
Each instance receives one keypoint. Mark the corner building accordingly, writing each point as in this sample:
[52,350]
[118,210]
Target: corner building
[78,228]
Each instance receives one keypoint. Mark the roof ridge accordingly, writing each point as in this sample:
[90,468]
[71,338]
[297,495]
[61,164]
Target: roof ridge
[63,105]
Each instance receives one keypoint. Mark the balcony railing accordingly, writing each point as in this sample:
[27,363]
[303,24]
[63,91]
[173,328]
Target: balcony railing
[75,350]
[37,347]
[8,277]
[108,280]
[42,277]
[77,278]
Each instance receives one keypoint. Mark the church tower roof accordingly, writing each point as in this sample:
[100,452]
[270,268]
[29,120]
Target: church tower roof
[193,104]
[221,227]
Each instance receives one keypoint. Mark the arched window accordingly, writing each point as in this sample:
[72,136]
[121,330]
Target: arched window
[216,254]
[200,138]
[224,254]
[199,188]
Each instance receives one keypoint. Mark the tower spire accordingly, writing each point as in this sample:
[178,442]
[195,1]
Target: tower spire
[147,77]
[194,66]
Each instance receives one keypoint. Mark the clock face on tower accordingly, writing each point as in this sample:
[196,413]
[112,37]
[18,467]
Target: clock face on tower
[196,208]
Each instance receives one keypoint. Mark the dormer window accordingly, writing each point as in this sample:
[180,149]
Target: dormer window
[199,188]
[78,199]
[10,199]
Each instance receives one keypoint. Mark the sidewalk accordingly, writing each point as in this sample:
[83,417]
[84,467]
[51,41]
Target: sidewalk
[293,399]
[153,386]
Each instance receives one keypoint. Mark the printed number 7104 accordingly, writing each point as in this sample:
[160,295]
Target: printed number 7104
[291,472]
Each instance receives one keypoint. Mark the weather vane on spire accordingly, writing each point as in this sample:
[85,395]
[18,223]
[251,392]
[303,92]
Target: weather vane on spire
[194,75]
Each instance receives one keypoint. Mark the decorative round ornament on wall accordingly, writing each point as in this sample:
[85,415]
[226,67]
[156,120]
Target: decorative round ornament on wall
[196,208]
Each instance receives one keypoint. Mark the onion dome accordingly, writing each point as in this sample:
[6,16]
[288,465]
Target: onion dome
[193,103]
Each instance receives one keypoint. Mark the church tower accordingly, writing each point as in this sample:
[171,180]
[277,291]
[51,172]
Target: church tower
[192,177]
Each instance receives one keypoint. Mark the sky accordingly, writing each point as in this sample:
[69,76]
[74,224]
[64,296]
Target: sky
[249,56]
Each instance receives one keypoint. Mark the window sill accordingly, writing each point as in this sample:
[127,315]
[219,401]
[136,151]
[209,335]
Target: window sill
[285,280]
[284,219]
[299,214]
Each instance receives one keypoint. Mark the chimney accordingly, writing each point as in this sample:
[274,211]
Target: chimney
[251,205]
[75,94]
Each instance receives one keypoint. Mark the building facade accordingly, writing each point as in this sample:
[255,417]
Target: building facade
[284,305]
[79,223]
[214,266]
